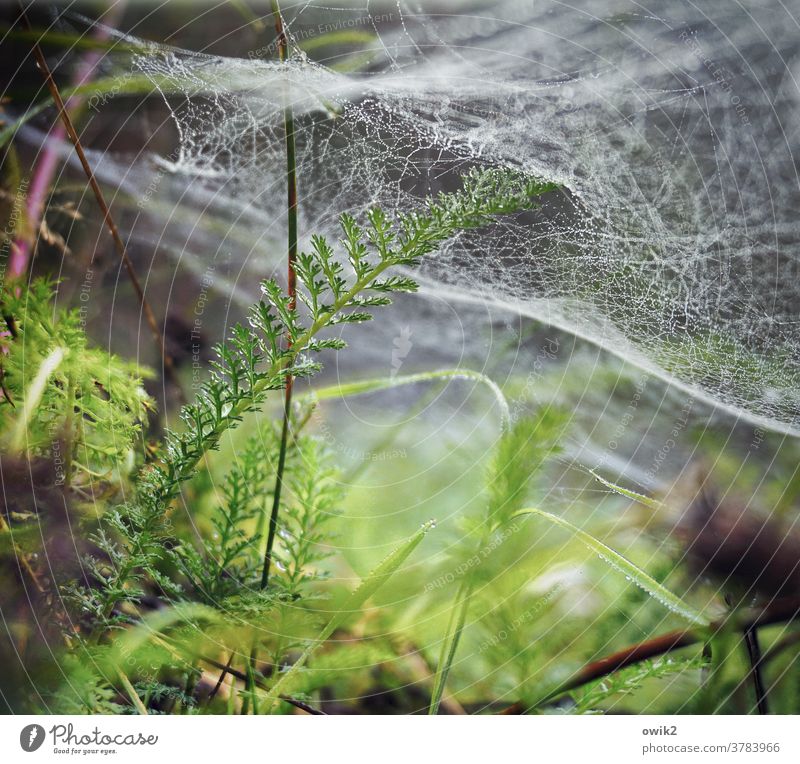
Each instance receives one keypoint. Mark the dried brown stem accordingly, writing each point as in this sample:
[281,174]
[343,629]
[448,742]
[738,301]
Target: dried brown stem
[778,611]
[122,251]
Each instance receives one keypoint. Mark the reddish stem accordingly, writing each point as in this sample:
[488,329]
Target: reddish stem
[45,167]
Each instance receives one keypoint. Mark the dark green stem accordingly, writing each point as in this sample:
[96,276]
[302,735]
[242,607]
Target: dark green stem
[756,659]
[291,206]
[276,496]
[291,209]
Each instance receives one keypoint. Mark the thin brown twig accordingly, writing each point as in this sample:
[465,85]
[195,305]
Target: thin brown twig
[780,610]
[22,559]
[243,677]
[144,304]
[221,679]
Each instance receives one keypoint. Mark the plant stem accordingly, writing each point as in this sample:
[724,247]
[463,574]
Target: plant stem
[756,659]
[291,210]
[122,251]
[250,685]
[69,430]
[291,206]
[276,494]
[455,626]
[226,669]
[136,701]
[262,684]
[779,611]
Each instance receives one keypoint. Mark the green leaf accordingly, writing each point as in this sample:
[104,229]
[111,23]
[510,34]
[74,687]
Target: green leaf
[365,386]
[33,396]
[337,37]
[126,648]
[624,566]
[640,498]
[352,604]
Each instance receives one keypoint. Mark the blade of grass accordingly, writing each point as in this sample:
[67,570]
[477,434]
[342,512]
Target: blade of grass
[623,565]
[353,603]
[640,498]
[33,396]
[71,40]
[362,387]
[246,12]
[132,694]
[778,611]
[149,628]
[337,37]
[455,626]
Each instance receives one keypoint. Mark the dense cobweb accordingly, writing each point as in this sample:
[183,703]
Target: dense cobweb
[672,128]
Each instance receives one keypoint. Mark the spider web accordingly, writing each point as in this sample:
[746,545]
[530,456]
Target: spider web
[672,128]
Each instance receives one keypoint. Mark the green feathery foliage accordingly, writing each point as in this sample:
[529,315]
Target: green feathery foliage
[312,500]
[592,697]
[229,559]
[277,341]
[520,454]
[63,399]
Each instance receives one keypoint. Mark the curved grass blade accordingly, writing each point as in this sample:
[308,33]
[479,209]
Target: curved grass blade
[624,566]
[59,39]
[376,385]
[353,603]
[153,624]
[133,639]
[33,395]
[640,498]
[132,694]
